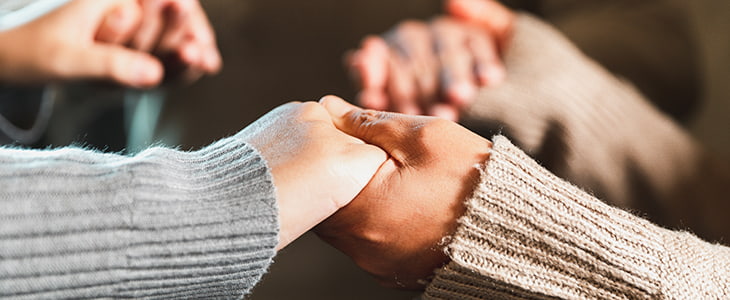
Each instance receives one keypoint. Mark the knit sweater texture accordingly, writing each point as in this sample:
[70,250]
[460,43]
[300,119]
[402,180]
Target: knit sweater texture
[528,234]
[77,223]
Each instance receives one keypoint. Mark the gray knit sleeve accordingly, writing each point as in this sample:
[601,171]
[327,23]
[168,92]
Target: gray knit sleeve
[76,223]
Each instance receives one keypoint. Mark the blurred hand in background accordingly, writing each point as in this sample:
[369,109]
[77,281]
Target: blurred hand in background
[123,41]
[434,68]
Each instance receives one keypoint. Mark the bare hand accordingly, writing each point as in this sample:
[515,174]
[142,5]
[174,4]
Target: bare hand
[87,39]
[395,227]
[178,31]
[317,169]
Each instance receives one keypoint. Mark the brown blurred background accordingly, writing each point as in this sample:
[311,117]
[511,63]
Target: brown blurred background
[281,50]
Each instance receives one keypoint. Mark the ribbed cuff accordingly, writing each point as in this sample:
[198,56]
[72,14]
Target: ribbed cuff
[527,233]
[214,230]
[163,224]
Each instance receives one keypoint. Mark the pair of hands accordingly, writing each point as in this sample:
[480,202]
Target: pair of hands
[434,68]
[408,176]
[124,41]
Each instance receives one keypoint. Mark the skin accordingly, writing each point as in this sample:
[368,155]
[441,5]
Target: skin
[317,169]
[395,228]
[116,39]
[89,39]
[434,68]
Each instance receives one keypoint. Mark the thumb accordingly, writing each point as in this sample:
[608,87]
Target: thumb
[122,65]
[489,14]
[383,129]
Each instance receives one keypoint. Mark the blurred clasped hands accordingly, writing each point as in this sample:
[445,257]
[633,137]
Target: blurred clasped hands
[434,68]
[383,187]
[124,41]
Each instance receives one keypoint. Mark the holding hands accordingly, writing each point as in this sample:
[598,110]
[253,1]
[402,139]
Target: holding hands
[395,227]
[317,169]
[408,176]
[390,210]
[434,68]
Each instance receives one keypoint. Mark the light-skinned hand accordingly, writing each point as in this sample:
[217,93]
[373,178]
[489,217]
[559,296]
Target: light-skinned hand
[89,39]
[434,68]
[317,169]
[178,31]
[395,228]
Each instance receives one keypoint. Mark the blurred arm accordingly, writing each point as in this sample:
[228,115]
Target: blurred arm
[600,133]
[650,43]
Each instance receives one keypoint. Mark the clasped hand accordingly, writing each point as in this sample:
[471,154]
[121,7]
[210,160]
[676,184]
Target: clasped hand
[436,67]
[408,176]
[124,41]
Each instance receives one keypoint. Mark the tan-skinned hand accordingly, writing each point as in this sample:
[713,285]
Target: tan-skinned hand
[90,39]
[434,68]
[395,228]
[317,169]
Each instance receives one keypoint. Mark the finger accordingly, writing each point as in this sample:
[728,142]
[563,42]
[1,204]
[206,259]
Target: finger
[204,35]
[488,65]
[190,27]
[94,11]
[413,40]
[383,129]
[119,26]
[368,67]
[401,86]
[173,34]
[489,14]
[116,63]
[457,76]
[153,23]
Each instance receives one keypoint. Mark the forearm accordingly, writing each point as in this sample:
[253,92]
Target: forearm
[165,223]
[529,234]
[591,128]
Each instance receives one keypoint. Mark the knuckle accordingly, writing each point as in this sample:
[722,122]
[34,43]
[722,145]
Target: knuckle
[368,119]
[312,111]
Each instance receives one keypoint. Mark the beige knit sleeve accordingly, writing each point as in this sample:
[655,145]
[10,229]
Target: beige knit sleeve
[529,234]
[598,132]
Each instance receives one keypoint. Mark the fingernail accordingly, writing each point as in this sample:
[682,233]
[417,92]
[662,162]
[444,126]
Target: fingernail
[335,106]
[145,72]
[212,60]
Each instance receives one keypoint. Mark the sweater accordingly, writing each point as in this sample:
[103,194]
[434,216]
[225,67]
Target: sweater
[527,233]
[165,223]
[595,130]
